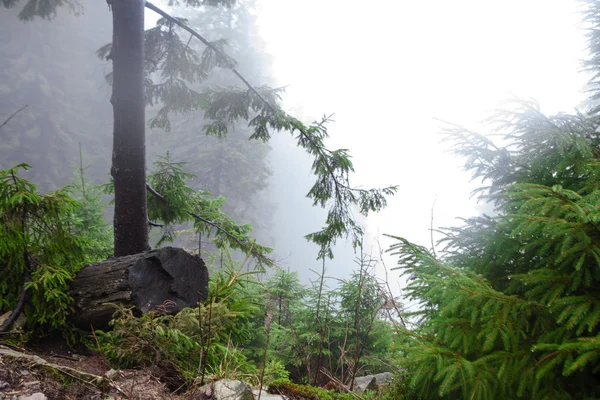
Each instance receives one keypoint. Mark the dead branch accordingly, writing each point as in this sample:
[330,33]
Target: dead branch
[13,114]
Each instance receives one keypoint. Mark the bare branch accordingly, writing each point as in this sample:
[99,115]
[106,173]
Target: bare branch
[17,311]
[13,114]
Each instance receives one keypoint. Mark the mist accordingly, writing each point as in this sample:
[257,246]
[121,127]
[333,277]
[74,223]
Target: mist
[389,74]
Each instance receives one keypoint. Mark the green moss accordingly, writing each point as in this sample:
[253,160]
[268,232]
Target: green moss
[294,391]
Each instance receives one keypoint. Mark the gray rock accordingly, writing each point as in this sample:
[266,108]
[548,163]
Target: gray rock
[112,374]
[361,383]
[228,389]
[35,396]
[5,316]
[371,382]
[18,324]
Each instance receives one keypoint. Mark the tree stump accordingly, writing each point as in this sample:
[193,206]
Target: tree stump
[169,277]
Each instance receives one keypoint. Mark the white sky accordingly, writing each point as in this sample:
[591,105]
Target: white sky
[387,68]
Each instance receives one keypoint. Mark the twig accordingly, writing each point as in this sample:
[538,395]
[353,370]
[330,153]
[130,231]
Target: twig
[13,114]
[431,228]
[70,358]
[339,383]
[104,363]
[132,385]
[268,320]
[12,346]
[387,284]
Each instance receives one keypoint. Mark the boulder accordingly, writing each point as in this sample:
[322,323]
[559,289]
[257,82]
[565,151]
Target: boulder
[371,382]
[226,389]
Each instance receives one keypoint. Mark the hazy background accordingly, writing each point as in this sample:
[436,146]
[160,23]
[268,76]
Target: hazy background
[386,69]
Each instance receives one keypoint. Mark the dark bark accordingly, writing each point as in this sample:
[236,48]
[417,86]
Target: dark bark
[167,279]
[129,151]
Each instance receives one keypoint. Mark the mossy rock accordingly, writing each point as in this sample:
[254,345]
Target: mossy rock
[304,392]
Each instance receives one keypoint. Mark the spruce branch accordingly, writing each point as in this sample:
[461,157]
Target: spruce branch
[244,245]
[332,168]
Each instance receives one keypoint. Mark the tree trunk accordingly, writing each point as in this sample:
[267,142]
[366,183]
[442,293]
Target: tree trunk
[129,151]
[168,278]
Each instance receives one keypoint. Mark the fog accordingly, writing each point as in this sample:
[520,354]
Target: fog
[390,72]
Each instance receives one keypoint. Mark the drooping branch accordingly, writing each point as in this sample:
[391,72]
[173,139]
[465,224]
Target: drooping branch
[242,244]
[332,168]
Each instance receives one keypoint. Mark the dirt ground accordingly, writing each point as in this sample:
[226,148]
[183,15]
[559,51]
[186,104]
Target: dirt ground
[24,377]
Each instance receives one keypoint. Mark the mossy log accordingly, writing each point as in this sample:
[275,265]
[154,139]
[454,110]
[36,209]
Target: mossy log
[169,279]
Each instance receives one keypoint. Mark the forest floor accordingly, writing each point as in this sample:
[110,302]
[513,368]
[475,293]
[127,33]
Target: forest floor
[22,376]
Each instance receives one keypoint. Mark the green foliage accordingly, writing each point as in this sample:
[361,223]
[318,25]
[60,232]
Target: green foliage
[294,391]
[286,295]
[275,370]
[361,301]
[38,248]
[88,221]
[147,340]
[196,341]
[331,168]
[511,310]
[343,330]
[173,201]
[397,389]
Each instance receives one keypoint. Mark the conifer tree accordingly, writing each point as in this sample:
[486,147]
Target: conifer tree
[87,221]
[156,67]
[286,295]
[233,167]
[511,308]
[39,251]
